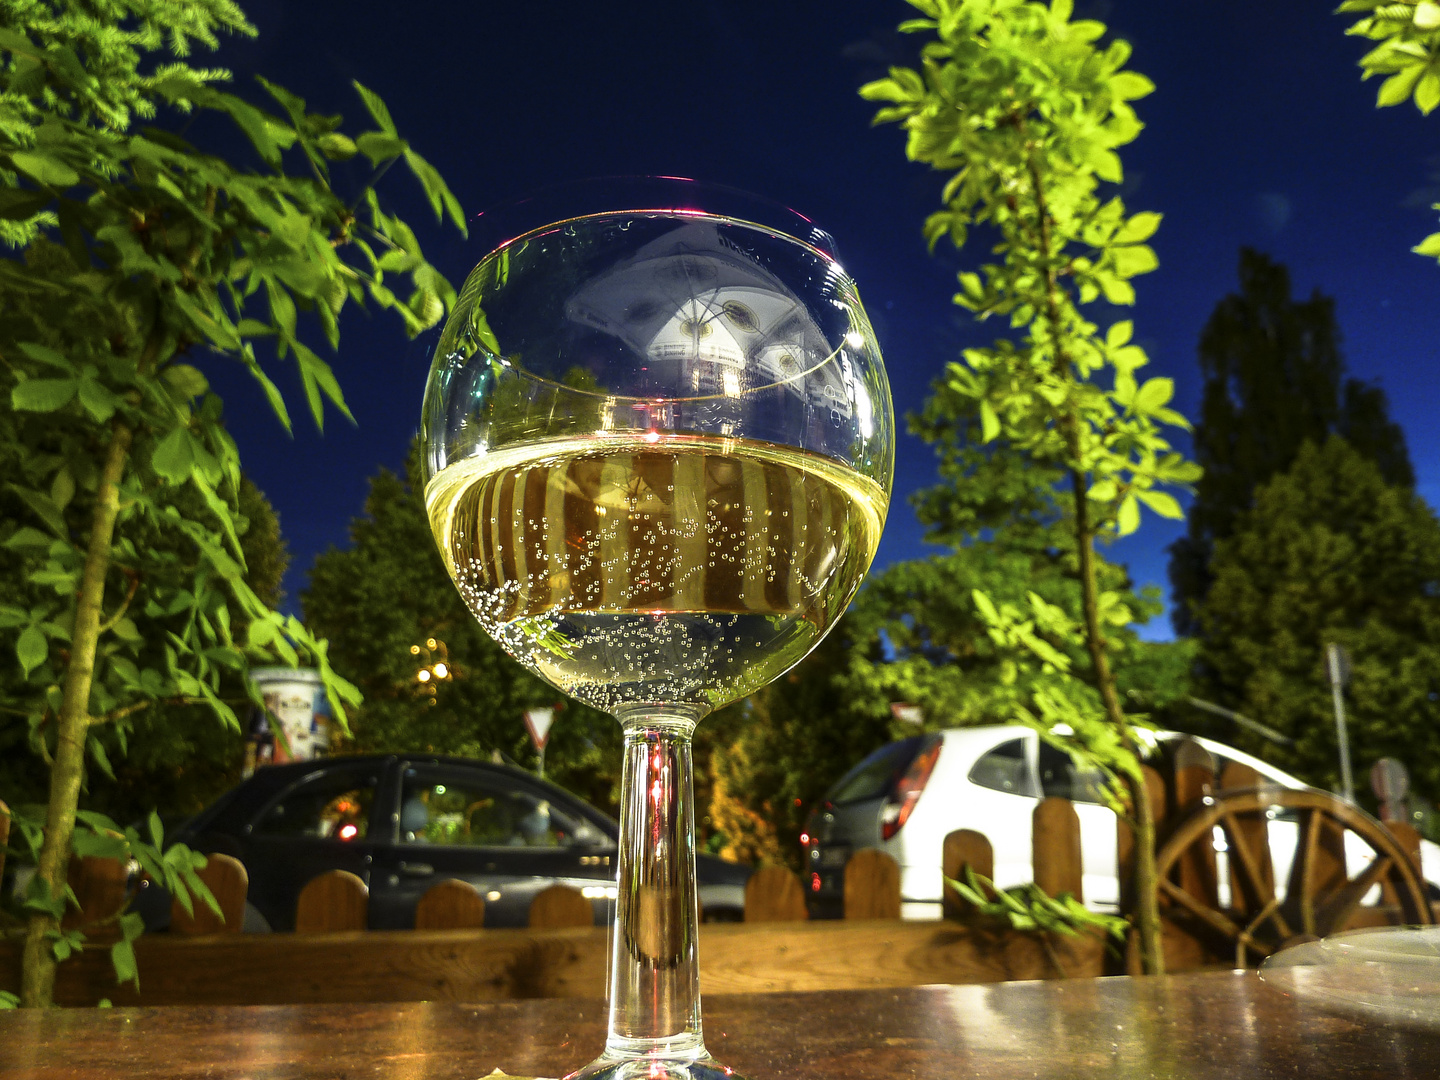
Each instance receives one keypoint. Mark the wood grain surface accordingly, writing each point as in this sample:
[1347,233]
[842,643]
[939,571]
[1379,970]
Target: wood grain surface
[774,894]
[228,881]
[1190,1027]
[453,904]
[493,965]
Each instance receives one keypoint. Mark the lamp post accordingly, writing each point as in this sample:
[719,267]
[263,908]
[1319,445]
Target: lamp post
[1338,662]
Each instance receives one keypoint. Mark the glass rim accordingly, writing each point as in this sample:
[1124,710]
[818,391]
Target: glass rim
[508,221]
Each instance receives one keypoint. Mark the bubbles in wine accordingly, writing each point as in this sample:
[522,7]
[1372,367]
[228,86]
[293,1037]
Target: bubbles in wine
[647,568]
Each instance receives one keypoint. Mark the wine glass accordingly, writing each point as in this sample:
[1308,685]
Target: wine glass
[658,444]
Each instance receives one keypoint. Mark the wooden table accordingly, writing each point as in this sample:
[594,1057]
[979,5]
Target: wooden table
[1185,1027]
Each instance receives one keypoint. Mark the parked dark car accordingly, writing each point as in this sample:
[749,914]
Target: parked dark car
[402,824]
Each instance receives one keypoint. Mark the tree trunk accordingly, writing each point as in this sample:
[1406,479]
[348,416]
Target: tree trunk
[1147,907]
[37,982]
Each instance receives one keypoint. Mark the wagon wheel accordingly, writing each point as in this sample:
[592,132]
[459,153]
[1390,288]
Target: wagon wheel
[1319,897]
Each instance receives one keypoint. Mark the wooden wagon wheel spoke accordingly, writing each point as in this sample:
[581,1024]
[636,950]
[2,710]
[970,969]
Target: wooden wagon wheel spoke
[1217,919]
[1260,891]
[1337,910]
[1319,896]
[1270,912]
[1298,890]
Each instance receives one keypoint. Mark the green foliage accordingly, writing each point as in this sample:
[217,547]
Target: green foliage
[173,868]
[1409,37]
[171,756]
[390,591]
[1331,552]
[140,256]
[1026,113]
[1030,909]
[1274,379]
[1408,56]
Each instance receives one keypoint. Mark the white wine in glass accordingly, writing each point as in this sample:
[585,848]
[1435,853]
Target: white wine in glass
[659,441]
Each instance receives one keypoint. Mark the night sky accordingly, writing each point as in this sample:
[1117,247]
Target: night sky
[1260,133]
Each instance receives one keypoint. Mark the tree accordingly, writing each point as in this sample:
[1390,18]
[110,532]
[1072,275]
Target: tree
[388,594]
[140,252]
[1016,102]
[1409,35]
[1331,552]
[1274,379]
[171,757]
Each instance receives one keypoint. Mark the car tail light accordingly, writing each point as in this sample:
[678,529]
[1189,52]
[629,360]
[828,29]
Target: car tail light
[908,788]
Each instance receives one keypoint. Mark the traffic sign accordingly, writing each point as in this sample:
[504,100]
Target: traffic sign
[538,721]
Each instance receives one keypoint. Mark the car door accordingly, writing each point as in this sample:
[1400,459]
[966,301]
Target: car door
[508,838]
[321,822]
[1000,802]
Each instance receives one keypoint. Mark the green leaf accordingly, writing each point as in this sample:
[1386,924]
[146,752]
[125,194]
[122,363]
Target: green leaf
[62,489]
[1129,85]
[46,356]
[436,189]
[31,649]
[1153,394]
[102,759]
[1397,87]
[1127,520]
[1130,261]
[1119,334]
[25,536]
[1140,227]
[44,509]
[98,400]
[377,108]
[1427,15]
[43,395]
[1161,502]
[1427,90]
[336,146]
[174,456]
[1429,246]
[122,959]
[186,380]
[48,170]
[989,422]
[379,146]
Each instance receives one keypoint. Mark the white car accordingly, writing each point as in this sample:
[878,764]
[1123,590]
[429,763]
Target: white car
[905,797]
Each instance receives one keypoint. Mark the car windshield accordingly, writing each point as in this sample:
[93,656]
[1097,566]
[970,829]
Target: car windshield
[876,775]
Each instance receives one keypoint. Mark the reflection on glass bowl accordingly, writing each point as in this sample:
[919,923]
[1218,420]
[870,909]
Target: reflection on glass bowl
[1390,974]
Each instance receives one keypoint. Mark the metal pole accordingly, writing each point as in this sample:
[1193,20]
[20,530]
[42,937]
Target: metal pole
[1342,736]
[542,763]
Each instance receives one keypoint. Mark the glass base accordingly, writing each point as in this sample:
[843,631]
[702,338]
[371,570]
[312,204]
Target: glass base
[651,1068]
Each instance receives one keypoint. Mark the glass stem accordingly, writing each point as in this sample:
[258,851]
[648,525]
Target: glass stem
[654,967]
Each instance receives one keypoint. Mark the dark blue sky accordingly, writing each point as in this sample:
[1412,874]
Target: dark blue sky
[1259,133]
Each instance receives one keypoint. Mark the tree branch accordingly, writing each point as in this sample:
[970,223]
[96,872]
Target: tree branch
[110,623]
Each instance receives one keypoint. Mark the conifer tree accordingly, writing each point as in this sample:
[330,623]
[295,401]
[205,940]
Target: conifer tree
[1274,379]
[1330,551]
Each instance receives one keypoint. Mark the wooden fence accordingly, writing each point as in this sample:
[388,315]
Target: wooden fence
[449,957]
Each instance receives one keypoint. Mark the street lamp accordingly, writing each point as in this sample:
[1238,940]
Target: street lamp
[435,666]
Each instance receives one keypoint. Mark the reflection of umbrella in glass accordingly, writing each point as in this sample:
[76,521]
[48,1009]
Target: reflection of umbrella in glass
[693,300]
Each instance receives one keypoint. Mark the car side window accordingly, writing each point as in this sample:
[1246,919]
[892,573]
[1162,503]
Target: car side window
[437,808]
[1061,777]
[1004,769]
[328,807]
